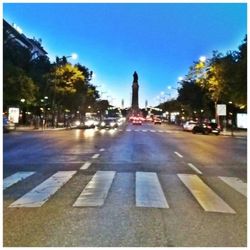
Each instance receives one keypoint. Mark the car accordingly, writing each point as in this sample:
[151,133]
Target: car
[189,125]
[157,120]
[149,119]
[137,121]
[90,123]
[108,123]
[76,123]
[206,128]
[8,125]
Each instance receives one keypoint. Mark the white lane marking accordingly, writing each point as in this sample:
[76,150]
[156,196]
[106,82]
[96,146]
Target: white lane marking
[128,130]
[144,130]
[86,165]
[194,168]
[95,156]
[151,130]
[178,154]
[205,196]
[96,191]
[167,131]
[160,131]
[13,179]
[40,194]
[148,191]
[137,130]
[102,149]
[236,184]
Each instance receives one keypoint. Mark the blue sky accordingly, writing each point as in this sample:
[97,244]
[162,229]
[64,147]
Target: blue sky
[160,41]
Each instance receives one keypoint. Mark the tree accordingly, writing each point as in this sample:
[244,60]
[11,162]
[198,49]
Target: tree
[194,98]
[87,92]
[62,82]
[239,88]
[38,69]
[17,85]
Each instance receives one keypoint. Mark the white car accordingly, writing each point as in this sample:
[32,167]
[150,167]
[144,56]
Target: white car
[189,125]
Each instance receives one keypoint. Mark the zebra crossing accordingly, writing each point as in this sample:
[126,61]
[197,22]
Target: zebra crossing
[152,131]
[148,190]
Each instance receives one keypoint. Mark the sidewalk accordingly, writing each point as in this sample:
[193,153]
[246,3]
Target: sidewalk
[236,133]
[32,129]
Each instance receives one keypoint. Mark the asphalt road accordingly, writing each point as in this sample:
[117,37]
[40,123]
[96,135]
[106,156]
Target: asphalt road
[161,149]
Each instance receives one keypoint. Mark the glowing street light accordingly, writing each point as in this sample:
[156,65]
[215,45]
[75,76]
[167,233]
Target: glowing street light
[74,56]
[202,59]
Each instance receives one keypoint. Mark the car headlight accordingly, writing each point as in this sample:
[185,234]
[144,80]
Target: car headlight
[112,124]
[77,123]
[102,123]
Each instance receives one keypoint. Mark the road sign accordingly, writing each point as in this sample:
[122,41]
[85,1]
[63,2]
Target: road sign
[221,109]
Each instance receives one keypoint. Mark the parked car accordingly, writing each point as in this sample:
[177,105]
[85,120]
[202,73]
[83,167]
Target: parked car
[189,125]
[8,125]
[206,128]
[157,120]
[108,123]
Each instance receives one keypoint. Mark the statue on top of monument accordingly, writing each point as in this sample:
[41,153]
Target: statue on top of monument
[135,77]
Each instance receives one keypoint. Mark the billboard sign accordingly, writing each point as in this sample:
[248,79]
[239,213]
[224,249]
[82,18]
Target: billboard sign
[221,109]
[13,115]
[241,120]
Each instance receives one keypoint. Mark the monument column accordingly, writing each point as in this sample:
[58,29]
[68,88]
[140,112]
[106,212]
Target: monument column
[135,90]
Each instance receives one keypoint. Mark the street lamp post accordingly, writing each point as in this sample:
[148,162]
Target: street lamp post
[23,111]
[230,114]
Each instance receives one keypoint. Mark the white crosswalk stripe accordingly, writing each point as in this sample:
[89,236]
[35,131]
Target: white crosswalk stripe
[96,191]
[39,195]
[13,179]
[86,165]
[236,184]
[206,197]
[153,131]
[148,190]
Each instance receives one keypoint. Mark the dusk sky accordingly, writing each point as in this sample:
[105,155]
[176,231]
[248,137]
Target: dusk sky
[160,41]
